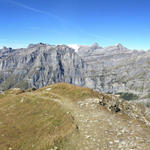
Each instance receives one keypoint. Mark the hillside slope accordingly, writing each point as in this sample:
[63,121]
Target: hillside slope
[67,117]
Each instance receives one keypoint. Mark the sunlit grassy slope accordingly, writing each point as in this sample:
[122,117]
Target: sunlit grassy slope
[72,92]
[36,120]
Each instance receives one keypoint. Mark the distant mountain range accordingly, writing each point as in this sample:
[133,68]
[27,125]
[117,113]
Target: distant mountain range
[114,69]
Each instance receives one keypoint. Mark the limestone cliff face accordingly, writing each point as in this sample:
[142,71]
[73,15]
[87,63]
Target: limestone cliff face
[116,69]
[40,65]
[113,69]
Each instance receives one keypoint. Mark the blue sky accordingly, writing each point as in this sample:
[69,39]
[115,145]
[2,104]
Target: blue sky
[107,22]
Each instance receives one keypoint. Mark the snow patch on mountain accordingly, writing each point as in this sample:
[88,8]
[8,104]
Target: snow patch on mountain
[74,46]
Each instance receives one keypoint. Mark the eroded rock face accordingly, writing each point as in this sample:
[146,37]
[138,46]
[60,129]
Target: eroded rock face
[117,70]
[133,110]
[40,65]
[114,69]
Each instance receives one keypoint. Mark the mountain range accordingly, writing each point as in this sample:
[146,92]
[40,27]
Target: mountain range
[114,69]
[37,114]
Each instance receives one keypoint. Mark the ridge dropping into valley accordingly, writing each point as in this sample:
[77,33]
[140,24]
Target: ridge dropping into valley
[114,69]
[37,114]
[67,117]
[67,95]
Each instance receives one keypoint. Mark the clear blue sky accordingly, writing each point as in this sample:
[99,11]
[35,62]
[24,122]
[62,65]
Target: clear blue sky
[107,22]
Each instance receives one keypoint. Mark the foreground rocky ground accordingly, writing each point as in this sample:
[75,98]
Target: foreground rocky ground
[67,117]
[108,123]
[102,130]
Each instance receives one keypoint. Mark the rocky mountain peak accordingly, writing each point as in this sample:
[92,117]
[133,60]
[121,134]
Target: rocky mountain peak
[95,46]
[37,45]
[121,47]
[7,48]
[64,48]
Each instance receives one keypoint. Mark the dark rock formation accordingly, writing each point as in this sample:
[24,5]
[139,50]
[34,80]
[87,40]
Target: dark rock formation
[40,65]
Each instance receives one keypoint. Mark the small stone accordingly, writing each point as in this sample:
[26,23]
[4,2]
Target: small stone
[68,112]
[22,100]
[48,89]
[87,136]
[123,142]
[110,142]
[116,141]
[55,148]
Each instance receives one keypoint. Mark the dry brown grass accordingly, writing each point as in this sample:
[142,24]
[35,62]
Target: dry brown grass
[73,92]
[47,117]
[30,122]
[34,120]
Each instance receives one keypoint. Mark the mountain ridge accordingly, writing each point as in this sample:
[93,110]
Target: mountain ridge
[113,69]
[67,117]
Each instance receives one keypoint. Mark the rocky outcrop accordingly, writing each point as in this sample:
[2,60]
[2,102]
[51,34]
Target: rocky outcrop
[40,65]
[133,110]
[117,70]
